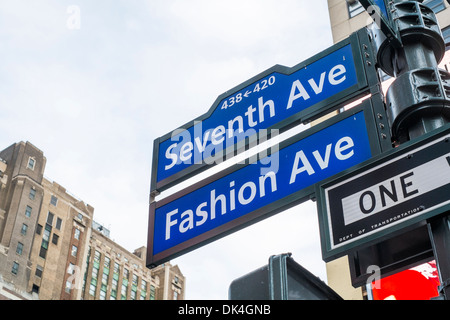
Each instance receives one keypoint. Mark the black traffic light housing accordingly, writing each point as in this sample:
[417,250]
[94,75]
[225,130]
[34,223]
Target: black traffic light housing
[281,279]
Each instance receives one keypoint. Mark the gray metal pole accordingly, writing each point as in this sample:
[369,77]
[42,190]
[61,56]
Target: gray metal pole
[439,230]
[418,101]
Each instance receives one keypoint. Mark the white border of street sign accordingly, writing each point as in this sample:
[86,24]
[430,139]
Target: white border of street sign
[385,195]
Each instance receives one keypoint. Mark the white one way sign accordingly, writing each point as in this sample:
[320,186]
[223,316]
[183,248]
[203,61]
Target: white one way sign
[386,195]
[403,187]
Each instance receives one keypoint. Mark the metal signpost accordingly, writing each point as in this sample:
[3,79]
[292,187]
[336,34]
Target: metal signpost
[242,195]
[418,101]
[278,98]
[412,182]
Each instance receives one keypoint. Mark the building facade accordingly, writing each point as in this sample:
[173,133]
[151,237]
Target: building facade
[21,197]
[113,273]
[346,17]
[172,280]
[62,232]
[52,249]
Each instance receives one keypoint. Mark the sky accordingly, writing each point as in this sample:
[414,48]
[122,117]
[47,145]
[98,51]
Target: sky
[93,84]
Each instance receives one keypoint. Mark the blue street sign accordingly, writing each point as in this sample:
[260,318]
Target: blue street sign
[277,98]
[242,196]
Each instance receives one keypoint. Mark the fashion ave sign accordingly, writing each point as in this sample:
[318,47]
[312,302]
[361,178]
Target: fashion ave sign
[238,198]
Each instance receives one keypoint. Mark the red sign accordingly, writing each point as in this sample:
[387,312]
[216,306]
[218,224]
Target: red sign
[419,283]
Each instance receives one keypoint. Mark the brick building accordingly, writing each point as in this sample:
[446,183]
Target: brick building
[52,249]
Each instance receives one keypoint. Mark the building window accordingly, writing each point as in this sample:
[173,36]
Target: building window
[68,286]
[134,283]
[38,272]
[116,270]
[92,289]
[58,223]
[435,5]
[45,240]
[446,34]
[97,258]
[19,248]
[50,217]
[88,258]
[42,252]
[74,251]
[54,200]
[31,163]
[106,264]
[32,194]
[124,287]
[39,229]
[28,211]
[114,286]
[71,268]
[105,277]
[77,233]
[104,285]
[24,229]
[94,274]
[152,292]
[354,8]
[104,281]
[143,289]
[55,239]
[15,268]
[123,291]
[35,288]
[46,236]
